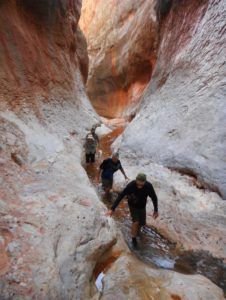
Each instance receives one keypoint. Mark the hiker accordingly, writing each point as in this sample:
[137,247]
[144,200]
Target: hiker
[137,192]
[90,148]
[107,169]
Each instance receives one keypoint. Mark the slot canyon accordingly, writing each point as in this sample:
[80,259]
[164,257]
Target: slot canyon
[151,74]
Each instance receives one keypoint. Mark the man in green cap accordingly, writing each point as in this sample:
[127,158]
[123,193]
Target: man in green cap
[137,192]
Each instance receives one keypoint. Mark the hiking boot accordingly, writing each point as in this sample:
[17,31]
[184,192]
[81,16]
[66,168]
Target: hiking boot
[134,242]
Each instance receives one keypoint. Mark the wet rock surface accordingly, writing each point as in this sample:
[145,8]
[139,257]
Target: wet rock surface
[148,283]
[53,230]
[157,250]
[193,218]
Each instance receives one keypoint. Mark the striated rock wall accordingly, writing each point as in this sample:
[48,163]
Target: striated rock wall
[41,50]
[52,232]
[122,42]
[181,122]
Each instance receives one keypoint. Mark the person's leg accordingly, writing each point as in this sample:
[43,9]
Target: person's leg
[134,229]
[135,225]
[92,157]
[142,218]
[110,191]
[106,185]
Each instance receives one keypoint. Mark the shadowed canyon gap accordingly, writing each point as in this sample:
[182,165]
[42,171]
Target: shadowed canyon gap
[182,107]
[53,228]
[122,42]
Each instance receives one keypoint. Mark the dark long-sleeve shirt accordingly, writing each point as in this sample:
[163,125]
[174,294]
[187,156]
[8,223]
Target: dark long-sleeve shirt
[137,197]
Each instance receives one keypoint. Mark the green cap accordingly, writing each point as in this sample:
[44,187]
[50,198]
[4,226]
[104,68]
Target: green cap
[141,177]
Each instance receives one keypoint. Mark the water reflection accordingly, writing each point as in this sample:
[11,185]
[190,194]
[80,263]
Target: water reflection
[153,248]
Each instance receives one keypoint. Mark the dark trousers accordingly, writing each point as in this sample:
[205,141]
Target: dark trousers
[138,215]
[90,158]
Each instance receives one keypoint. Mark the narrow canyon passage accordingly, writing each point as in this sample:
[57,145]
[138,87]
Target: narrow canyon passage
[152,62]
[154,65]
[154,249]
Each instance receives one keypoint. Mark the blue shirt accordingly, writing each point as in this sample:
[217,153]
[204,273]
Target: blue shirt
[108,168]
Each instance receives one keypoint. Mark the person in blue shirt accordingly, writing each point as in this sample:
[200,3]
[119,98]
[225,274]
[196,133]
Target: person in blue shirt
[107,169]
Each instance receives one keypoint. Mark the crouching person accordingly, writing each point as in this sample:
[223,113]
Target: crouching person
[107,169]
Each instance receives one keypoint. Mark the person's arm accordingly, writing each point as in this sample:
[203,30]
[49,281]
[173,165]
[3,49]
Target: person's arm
[123,172]
[153,196]
[96,145]
[120,197]
[97,139]
[126,191]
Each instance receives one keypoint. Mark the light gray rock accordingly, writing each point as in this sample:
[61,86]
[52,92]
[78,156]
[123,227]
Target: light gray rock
[182,120]
[129,279]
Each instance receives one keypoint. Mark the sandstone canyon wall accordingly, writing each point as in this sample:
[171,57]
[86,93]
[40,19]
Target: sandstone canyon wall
[53,231]
[181,127]
[50,225]
[181,122]
[41,48]
[122,42]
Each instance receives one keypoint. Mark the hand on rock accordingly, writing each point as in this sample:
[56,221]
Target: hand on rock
[109,213]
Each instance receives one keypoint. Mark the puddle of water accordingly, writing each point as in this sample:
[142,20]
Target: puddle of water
[153,248]
[203,263]
[99,283]
[102,267]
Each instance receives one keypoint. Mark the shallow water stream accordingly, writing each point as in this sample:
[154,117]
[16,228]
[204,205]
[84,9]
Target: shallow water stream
[154,248]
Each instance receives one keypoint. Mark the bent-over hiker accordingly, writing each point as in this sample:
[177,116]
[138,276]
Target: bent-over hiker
[107,169]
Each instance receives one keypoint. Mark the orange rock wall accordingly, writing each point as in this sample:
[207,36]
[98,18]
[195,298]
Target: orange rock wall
[122,40]
[40,49]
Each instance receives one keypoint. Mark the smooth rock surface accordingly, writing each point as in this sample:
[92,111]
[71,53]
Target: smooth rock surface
[146,283]
[53,228]
[42,52]
[122,41]
[182,120]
